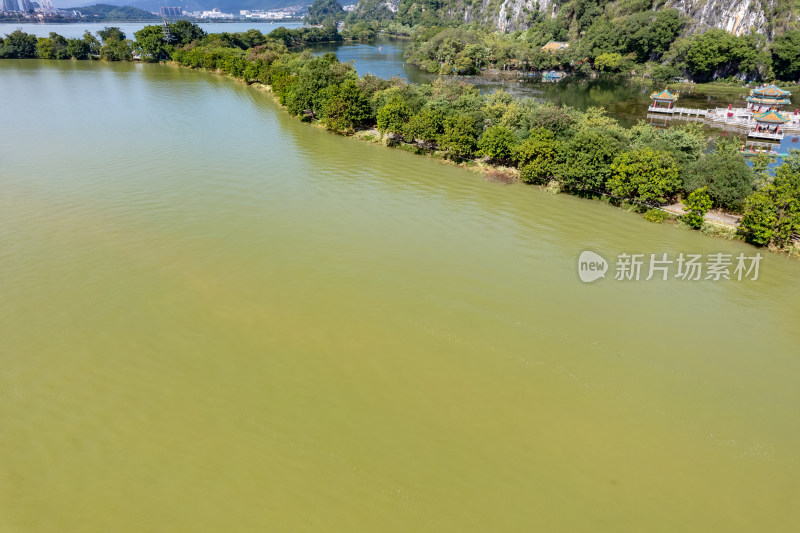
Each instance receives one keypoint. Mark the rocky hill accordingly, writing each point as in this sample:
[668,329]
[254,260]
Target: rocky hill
[736,16]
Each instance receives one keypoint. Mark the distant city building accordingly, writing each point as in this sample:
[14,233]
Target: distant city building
[27,5]
[10,5]
[170,11]
[274,14]
[216,14]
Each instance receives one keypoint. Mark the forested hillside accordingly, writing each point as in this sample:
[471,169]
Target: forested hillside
[575,16]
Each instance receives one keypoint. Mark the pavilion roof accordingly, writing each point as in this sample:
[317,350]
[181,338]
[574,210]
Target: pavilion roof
[771,117]
[769,90]
[552,46]
[664,95]
[768,101]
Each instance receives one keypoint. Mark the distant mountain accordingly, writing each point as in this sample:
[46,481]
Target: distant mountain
[226,6]
[768,17]
[109,12]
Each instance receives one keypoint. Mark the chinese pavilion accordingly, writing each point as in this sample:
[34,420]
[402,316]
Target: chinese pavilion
[763,99]
[768,125]
[663,101]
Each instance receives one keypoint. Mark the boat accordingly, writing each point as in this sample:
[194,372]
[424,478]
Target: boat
[749,151]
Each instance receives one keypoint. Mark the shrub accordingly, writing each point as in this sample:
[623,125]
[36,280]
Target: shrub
[459,138]
[726,175]
[644,174]
[697,205]
[393,117]
[655,215]
[497,143]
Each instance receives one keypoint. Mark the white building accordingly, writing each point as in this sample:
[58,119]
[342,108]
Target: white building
[216,14]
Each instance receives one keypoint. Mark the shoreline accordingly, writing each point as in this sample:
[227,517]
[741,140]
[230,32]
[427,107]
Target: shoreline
[496,166]
[503,175]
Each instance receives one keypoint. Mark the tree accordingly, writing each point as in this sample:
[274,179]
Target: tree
[772,215]
[307,96]
[760,217]
[114,50]
[497,143]
[185,32]
[644,174]
[717,53]
[427,125]
[150,41]
[608,62]
[459,138]
[537,156]
[52,47]
[726,175]
[112,33]
[18,45]
[697,205]
[91,42]
[346,107]
[549,116]
[588,157]
[393,117]
[786,55]
[78,48]
[322,10]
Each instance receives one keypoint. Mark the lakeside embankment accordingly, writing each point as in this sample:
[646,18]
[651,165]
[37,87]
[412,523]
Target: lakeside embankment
[585,153]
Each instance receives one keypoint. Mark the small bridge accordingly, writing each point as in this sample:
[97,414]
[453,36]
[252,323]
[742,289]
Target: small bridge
[680,111]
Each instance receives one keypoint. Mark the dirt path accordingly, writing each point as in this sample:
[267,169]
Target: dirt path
[715,215]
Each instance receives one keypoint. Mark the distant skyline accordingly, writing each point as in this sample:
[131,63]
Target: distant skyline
[230,6]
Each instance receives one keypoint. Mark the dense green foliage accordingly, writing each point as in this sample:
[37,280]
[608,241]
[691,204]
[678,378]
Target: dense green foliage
[583,152]
[18,45]
[697,205]
[646,175]
[325,12]
[717,53]
[151,43]
[772,215]
[620,36]
[655,214]
[609,45]
[726,176]
[497,143]
[786,55]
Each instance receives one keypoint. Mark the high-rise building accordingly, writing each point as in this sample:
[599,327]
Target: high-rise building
[171,11]
[10,5]
[27,5]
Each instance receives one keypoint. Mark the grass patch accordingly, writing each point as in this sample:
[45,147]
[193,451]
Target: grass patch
[720,89]
[717,230]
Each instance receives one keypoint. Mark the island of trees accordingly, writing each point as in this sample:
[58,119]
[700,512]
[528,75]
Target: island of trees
[586,153]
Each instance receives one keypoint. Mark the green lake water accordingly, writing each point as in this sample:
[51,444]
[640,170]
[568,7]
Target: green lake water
[216,318]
